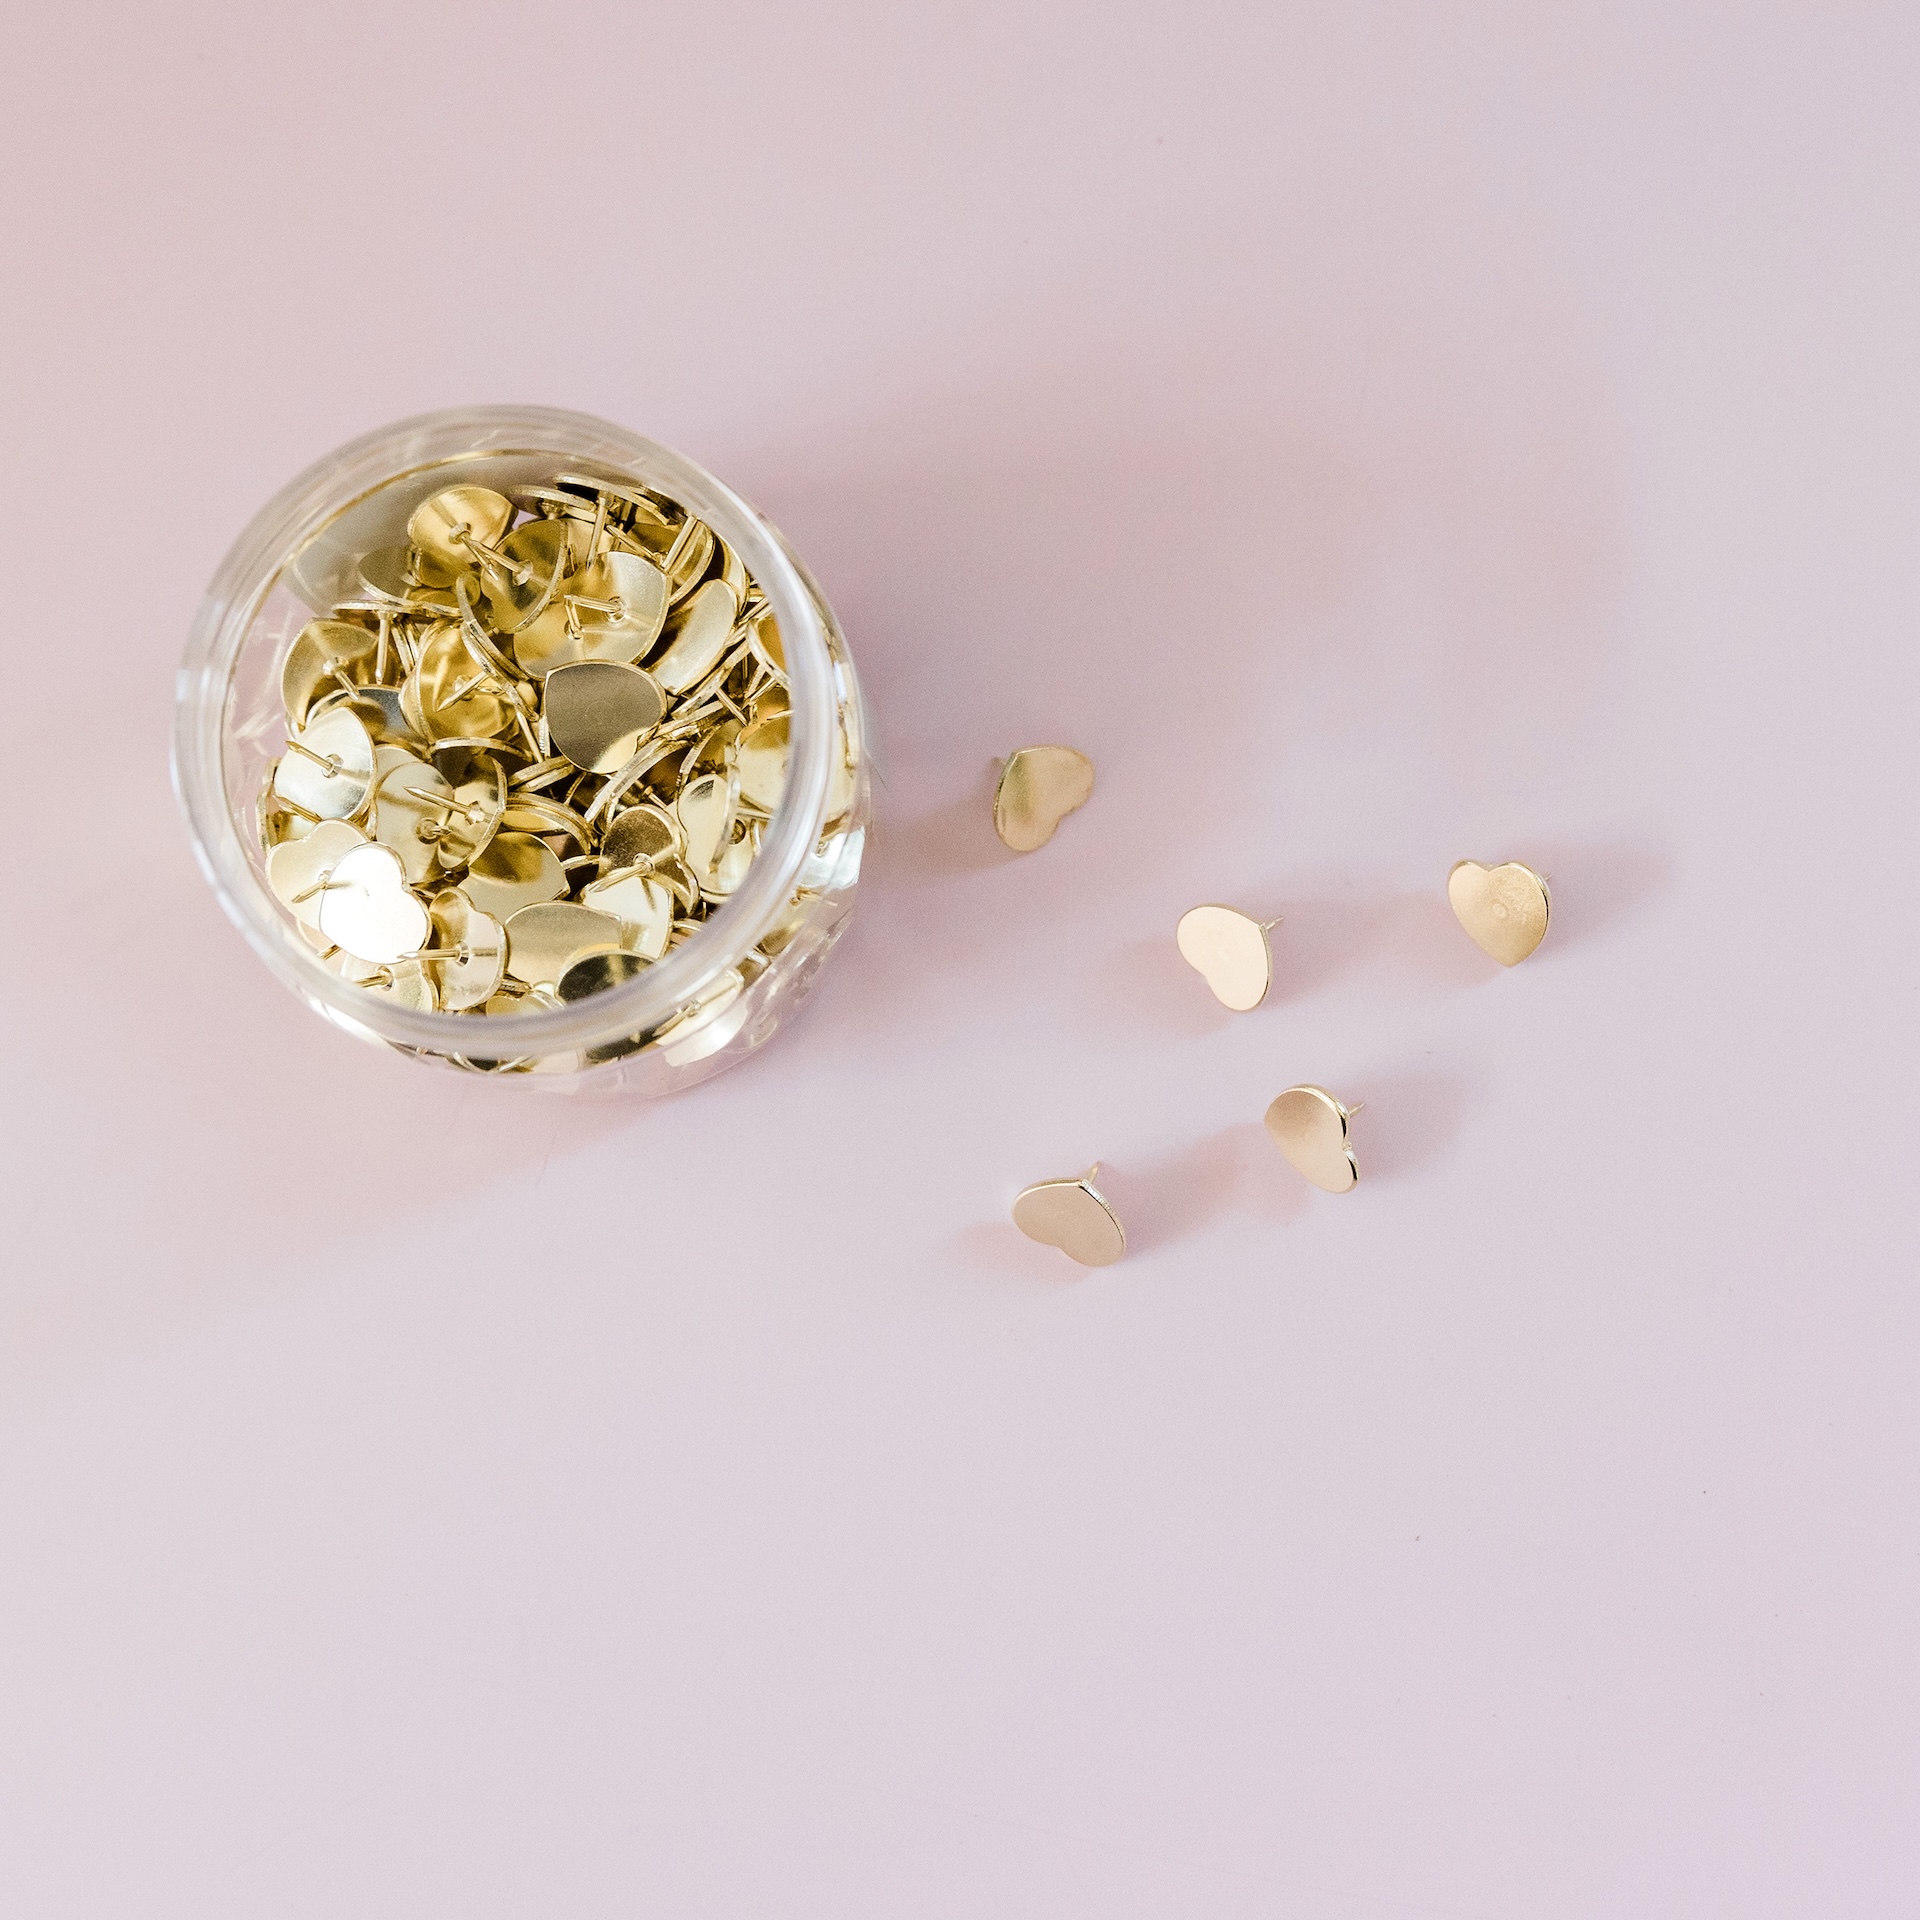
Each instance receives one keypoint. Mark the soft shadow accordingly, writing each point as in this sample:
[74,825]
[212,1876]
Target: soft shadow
[1181,1194]
[955,838]
[1145,983]
[1595,887]
[998,1246]
[1411,1121]
[1420,934]
[1168,1199]
[1319,941]
[1268,1188]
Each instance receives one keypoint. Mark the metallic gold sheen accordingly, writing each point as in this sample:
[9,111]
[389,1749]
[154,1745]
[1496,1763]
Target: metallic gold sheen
[485,795]
[1309,1126]
[1039,787]
[514,871]
[697,634]
[448,527]
[1074,1216]
[645,832]
[597,711]
[544,941]
[1230,951]
[1504,909]
[327,770]
[368,909]
[596,972]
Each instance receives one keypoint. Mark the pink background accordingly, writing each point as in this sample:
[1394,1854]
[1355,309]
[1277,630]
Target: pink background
[1378,434]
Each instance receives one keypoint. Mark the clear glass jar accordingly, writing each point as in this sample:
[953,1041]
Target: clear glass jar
[707,1001]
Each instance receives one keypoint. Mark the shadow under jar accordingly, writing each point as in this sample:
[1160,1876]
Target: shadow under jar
[481,614]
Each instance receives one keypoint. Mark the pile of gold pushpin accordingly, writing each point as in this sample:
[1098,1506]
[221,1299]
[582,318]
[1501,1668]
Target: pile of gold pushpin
[532,751]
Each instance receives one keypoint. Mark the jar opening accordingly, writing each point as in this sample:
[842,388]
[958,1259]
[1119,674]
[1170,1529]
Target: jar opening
[295,559]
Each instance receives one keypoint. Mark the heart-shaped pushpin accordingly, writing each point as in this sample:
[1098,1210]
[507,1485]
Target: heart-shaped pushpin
[642,902]
[327,768]
[681,548]
[709,1023]
[1309,1126]
[706,811]
[398,576]
[619,604]
[410,809]
[763,639]
[299,871]
[597,711]
[326,656]
[697,633]
[448,527]
[1504,909]
[596,972]
[368,910]
[278,822]
[761,756]
[405,982]
[536,556]
[544,941]
[459,698]
[1230,950]
[385,719]
[1074,1216]
[1039,787]
[512,871]
[479,790]
[469,955]
[639,835]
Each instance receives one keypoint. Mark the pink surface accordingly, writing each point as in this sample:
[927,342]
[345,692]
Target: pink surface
[1378,435]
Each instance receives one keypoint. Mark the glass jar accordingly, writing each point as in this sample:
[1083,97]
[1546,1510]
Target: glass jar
[707,1001]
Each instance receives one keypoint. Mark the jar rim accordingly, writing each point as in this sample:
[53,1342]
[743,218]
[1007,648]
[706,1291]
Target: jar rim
[261,558]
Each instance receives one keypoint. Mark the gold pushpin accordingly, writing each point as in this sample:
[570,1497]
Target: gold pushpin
[643,833]
[617,606]
[1074,1216]
[1039,787]
[598,710]
[697,633]
[367,908]
[643,903]
[330,655]
[595,972]
[460,527]
[471,957]
[327,769]
[543,941]
[514,870]
[1309,1126]
[761,756]
[1231,952]
[1504,909]
[410,809]
[299,871]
